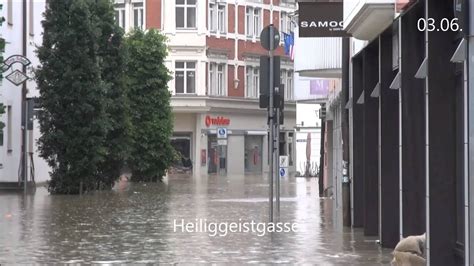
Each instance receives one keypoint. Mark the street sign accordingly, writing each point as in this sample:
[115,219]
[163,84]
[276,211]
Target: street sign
[284,161]
[17,77]
[222,142]
[17,59]
[321,19]
[222,133]
[265,37]
[283,172]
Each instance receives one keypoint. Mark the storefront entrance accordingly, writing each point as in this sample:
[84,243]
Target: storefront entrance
[253,154]
[217,156]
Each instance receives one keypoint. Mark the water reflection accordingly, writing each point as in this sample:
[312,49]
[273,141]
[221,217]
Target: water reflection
[134,223]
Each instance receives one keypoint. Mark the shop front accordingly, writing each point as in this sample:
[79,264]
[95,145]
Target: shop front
[242,150]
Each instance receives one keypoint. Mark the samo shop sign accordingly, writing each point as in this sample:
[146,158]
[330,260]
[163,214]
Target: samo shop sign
[217,121]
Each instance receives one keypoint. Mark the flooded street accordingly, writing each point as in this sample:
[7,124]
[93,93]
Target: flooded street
[134,224]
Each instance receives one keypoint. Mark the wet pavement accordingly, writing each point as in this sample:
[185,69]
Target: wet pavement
[135,224]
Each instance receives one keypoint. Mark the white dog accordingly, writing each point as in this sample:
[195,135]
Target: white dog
[410,251]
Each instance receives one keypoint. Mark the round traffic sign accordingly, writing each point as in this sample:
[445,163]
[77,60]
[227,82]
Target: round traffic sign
[265,37]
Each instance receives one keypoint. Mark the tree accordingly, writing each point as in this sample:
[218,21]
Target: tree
[152,121]
[73,120]
[113,62]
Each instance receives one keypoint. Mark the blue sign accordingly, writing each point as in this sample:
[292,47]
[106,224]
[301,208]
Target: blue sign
[282,172]
[222,133]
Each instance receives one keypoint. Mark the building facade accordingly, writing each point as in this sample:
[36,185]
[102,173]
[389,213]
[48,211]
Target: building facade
[409,162]
[22,31]
[214,54]
[318,67]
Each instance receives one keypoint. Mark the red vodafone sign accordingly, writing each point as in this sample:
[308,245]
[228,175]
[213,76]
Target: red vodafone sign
[217,121]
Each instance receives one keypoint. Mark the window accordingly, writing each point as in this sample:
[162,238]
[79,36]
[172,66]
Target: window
[395,49]
[221,19]
[120,15]
[138,15]
[257,25]
[286,78]
[185,77]
[185,14]
[290,148]
[289,86]
[9,128]
[285,24]
[10,12]
[217,18]
[253,21]
[31,19]
[248,22]
[252,82]
[220,80]
[212,18]
[217,79]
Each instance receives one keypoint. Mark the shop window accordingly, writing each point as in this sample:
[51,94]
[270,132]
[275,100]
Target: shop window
[282,146]
[253,153]
[185,77]
[185,14]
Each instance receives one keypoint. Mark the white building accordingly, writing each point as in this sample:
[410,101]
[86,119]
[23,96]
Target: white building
[20,41]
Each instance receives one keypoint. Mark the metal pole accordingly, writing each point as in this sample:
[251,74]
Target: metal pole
[272,137]
[277,157]
[469,184]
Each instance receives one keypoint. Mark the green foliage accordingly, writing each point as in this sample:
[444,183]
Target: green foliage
[73,121]
[113,63]
[105,98]
[151,114]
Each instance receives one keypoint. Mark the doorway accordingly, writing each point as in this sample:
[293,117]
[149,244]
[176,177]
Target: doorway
[217,156]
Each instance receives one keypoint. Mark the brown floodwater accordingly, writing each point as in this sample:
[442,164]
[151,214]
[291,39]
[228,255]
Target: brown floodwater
[134,223]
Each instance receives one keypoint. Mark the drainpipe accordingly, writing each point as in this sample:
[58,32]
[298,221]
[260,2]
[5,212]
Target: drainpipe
[24,160]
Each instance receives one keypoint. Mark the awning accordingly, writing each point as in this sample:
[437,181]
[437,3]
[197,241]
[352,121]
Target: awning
[459,55]
[361,99]
[376,92]
[422,70]
[396,83]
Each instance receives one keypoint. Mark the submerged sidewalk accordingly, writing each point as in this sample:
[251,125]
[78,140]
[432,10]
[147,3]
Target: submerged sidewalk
[134,224]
